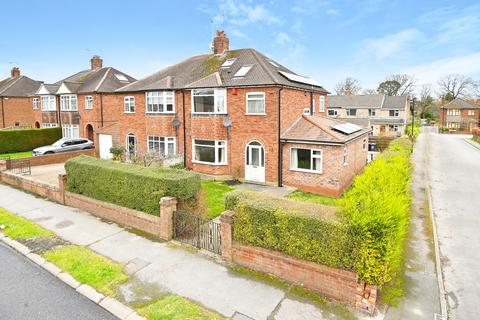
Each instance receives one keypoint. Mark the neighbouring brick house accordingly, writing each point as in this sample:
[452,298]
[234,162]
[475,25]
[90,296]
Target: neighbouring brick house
[225,112]
[76,103]
[385,115]
[460,115]
[17,101]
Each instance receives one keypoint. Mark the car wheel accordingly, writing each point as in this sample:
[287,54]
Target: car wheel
[49,152]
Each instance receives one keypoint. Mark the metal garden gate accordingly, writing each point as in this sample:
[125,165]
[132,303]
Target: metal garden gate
[197,231]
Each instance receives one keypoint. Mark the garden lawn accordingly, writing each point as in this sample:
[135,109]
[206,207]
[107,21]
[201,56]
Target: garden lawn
[15,155]
[311,197]
[20,228]
[215,192]
[177,308]
[88,267]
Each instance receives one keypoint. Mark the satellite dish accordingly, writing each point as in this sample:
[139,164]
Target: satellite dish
[227,123]
[175,122]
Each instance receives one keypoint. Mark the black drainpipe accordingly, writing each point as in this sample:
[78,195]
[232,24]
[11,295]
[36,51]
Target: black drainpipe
[280,183]
[59,113]
[184,132]
[3,114]
[311,103]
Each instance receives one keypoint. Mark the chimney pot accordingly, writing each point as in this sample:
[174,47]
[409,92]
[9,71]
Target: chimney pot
[96,63]
[15,72]
[220,43]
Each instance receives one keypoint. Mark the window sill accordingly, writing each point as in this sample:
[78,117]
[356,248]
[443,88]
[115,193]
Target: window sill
[208,114]
[159,113]
[68,110]
[129,112]
[210,163]
[306,171]
[255,114]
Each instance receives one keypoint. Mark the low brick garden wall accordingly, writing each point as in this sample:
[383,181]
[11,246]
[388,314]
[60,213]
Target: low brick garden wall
[45,190]
[57,157]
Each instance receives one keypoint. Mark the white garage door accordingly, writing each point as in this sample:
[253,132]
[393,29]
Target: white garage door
[105,143]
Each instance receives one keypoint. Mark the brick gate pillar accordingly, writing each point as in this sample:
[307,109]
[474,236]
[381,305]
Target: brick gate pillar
[226,234]
[168,205]
[62,185]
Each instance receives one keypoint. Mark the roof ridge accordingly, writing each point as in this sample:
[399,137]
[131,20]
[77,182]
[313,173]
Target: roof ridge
[291,126]
[318,126]
[11,84]
[263,65]
[102,80]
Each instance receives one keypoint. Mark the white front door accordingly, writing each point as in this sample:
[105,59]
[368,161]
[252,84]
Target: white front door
[255,162]
[105,143]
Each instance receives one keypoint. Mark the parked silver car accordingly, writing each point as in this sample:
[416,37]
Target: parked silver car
[64,145]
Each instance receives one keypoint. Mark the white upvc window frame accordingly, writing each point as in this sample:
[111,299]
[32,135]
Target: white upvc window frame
[71,131]
[349,110]
[129,104]
[35,103]
[218,144]
[166,142]
[334,111]
[161,98]
[248,98]
[49,103]
[471,112]
[312,157]
[49,125]
[372,112]
[88,102]
[321,102]
[68,102]
[345,156]
[396,113]
[394,127]
[217,94]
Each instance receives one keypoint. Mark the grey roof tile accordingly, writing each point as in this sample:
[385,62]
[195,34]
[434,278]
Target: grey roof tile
[21,86]
[356,101]
[395,102]
[458,103]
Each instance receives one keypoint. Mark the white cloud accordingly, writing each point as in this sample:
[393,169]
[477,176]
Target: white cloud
[237,12]
[283,38]
[392,44]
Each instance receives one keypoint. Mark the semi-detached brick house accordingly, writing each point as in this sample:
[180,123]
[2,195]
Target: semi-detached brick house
[76,103]
[16,100]
[460,115]
[226,112]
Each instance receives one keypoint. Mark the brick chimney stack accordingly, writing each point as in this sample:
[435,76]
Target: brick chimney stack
[220,42]
[96,63]
[15,72]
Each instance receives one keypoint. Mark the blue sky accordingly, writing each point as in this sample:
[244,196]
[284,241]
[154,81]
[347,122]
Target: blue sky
[327,40]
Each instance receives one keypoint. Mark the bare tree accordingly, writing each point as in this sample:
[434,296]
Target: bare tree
[369,91]
[454,86]
[350,86]
[397,85]
[426,104]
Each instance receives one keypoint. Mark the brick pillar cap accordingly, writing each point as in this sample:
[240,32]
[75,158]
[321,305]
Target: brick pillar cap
[227,216]
[168,200]
[62,176]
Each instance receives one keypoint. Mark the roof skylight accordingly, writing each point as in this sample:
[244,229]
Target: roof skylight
[228,62]
[301,79]
[273,63]
[121,77]
[243,70]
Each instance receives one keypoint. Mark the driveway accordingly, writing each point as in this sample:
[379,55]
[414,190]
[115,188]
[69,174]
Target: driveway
[454,178]
[29,292]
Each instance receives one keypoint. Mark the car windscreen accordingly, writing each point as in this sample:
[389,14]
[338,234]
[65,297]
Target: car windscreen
[59,143]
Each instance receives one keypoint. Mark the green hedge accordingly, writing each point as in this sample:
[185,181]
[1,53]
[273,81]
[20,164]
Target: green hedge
[130,186]
[376,210]
[27,139]
[304,230]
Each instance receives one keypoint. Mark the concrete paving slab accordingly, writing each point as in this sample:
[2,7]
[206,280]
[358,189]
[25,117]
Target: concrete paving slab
[270,190]
[16,201]
[135,265]
[295,310]
[90,293]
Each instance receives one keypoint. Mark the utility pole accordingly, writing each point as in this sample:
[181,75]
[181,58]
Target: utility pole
[413,114]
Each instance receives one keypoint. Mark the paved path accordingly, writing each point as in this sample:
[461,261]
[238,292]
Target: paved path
[454,177]
[29,292]
[159,267]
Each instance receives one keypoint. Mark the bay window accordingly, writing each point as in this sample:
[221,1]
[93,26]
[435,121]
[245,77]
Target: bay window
[209,101]
[256,103]
[70,131]
[48,103]
[162,146]
[68,102]
[210,151]
[160,102]
[306,160]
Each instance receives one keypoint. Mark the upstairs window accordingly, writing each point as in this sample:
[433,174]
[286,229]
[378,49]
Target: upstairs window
[332,112]
[129,104]
[471,112]
[394,113]
[256,103]
[306,160]
[209,101]
[322,104]
[371,112]
[49,103]
[35,103]
[351,112]
[88,102]
[160,102]
[345,156]
[68,102]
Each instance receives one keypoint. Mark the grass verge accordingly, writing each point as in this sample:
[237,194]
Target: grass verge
[215,192]
[15,155]
[177,308]
[19,228]
[88,267]
[299,195]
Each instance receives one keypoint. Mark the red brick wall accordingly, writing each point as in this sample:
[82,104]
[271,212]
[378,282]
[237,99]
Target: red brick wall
[16,109]
[58,157]
[42,189]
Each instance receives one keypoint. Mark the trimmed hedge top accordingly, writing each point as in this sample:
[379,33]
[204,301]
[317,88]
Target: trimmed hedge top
[27,139]
[127,185]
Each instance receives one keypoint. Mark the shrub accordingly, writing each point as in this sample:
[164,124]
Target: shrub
[130,186]
[376,211]
[117,152]
[303,230]
[27,139]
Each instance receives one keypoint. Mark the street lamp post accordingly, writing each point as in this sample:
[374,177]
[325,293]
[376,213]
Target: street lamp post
[413,114]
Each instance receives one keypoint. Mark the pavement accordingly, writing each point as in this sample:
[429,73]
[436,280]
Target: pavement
[269,190]
[27,292]
[422,299]
[158,268]
[454,178]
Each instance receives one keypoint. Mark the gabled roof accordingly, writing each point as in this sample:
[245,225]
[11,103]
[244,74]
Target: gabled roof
[21,86]
[106,79]
[458,103]
[47,89]
[319,129]
[395,102]
[206,70]
[371,101]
